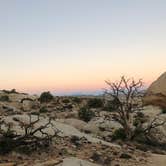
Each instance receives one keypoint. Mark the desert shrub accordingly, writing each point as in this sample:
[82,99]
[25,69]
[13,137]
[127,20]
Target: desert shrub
[46,97]
[108,107]
[119,134]
[111,105]
[86,114]
[76,100]
[95,103]
[139,118]
[66,101]
[4,98]
[35,113]
[43,110]
[163,111]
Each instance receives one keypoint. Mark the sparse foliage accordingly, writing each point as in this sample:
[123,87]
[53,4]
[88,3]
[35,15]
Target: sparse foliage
[86,114]
[30,140]
[126,96]
[119,134]
[43,110]
[66,101]
[4,98]
[76,100]
[164,110]
[46,97]
[95,103]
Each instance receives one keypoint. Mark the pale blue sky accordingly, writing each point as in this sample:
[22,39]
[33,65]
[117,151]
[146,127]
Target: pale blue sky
[74,45]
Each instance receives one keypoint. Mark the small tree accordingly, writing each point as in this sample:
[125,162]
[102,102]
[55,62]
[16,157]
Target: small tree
[86,114]
[126,96]
[46,97]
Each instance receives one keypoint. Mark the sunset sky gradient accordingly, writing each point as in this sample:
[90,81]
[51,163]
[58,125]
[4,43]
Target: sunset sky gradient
[72,46]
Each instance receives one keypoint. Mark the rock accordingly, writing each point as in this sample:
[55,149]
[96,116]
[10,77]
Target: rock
[156,93]
[78,124]
[9,109]
[7,164]
[65,130]
[17,97]
[72,161]
[49,163]
[91,127]
[98,126]
[29,104]
[150,112]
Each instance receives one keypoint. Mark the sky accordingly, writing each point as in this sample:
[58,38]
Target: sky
[73,46]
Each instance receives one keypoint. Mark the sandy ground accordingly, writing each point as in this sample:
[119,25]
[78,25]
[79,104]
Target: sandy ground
[157,160]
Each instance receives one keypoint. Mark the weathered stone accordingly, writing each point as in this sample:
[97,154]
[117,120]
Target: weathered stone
[156,93]
[76,162]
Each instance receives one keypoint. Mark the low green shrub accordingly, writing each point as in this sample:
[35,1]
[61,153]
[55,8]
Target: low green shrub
[109,107]
[43,110]
[76,100]
[139,118]
[119,134]
[164,111]
[112,105]
[86,114]
[66,101]
[4,98]
[46,97]
[95,103]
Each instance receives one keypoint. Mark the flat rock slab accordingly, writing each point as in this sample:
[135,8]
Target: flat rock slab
[157,160]
[7,164]
[72,161]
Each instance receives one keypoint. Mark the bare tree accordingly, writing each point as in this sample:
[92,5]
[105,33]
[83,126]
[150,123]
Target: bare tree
[34,135]
[126,96]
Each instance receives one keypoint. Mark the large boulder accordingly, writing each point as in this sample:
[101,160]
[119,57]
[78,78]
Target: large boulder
[17,97]
[28,104]
[156,93]
[98,125]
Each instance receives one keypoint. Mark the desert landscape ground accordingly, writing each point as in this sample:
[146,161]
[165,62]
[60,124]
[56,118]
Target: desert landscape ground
[49,130]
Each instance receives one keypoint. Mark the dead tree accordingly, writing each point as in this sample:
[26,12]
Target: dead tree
[126,96]
[34,136]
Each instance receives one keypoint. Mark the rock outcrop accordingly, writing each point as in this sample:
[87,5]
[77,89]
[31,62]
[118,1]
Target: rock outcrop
[156,93]
[65,130]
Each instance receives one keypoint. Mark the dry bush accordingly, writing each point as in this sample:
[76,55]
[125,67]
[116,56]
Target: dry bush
[29,141]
